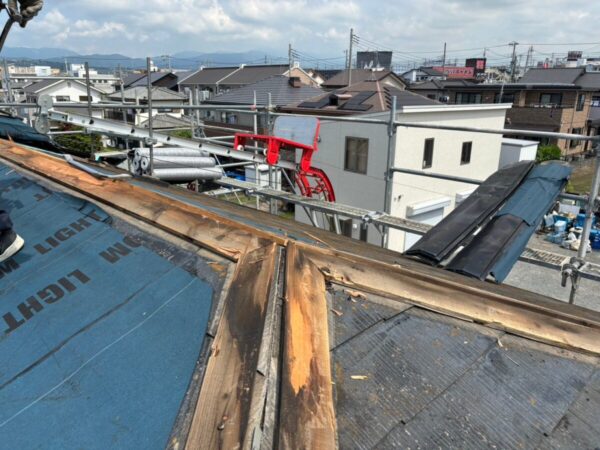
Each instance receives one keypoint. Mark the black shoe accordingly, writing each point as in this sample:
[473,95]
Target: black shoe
[10,244]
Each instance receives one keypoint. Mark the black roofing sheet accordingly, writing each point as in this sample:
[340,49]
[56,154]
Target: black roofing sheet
[497,248]
[446,236]
[424,380]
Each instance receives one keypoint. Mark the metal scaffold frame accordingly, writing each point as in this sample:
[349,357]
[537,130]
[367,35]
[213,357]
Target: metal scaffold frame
[382,220]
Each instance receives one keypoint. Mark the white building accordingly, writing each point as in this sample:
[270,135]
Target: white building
[515,150]
[354,156]
[61,91]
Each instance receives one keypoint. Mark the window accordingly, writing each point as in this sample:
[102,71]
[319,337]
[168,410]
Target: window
[63,98]
[595,101]
[465,155]
[463,98]
[357,154]
[551,99]
[83,98]
[505,98]
[580,102]
[428,154]
[573,143]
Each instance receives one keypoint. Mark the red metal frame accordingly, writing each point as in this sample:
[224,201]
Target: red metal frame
[305,172]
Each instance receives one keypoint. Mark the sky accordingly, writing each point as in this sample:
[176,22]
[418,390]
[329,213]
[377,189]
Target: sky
[318,29]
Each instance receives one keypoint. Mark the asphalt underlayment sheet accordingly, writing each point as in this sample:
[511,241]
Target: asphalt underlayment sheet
[101,325]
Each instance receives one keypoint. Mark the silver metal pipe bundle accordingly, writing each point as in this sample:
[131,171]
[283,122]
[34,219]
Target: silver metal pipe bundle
[188,174]
[168,151]
[178,162]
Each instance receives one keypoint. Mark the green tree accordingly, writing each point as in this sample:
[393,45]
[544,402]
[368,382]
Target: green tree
[548,153]
[78,144]
[184,134]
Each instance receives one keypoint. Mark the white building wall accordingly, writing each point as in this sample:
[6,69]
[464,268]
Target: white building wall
[515,150]
[412,194]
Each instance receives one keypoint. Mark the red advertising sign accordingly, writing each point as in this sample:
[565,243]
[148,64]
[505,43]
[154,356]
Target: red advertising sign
[457,72]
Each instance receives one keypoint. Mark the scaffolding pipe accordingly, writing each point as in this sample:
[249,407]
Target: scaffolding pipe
[472,181]
[389,173]
[150,120]
[589,210]
[88,89]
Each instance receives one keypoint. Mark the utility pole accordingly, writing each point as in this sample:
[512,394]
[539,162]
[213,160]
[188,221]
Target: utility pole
[444,60]
[290,60]
[350,56]
[513,77]
[484,51]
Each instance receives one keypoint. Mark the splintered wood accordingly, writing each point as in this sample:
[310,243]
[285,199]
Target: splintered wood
[211,231]
[307,418]
[222,412]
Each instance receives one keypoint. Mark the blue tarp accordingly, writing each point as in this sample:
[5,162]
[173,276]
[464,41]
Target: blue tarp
[99,333]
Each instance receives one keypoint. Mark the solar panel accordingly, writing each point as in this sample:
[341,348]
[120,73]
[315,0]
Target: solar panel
[317,104]
[356,102]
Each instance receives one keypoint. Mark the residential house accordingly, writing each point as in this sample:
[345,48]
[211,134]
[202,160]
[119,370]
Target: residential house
[422,74]
[209,82]
[557,100]
[164,101]
[346,77]
[438,89]
[283,91]
[61,91]
[354,155]
[167,80]
[362,97]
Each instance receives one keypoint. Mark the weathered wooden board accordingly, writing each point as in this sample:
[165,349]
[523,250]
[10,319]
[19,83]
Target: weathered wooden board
[525,314]
[222,412]
[218,234]
[307,417]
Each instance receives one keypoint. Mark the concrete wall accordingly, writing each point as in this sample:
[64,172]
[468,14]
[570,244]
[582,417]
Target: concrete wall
[409,191]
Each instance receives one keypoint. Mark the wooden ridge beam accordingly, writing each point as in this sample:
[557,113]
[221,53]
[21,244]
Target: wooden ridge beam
[528,315]
[307,417]
[222,415]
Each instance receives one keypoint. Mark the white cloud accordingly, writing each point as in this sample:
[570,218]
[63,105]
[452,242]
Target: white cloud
[319,27]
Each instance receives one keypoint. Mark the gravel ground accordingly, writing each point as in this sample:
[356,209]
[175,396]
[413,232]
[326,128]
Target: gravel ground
[546,281]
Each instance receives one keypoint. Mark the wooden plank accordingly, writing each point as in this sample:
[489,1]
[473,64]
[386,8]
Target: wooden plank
[222,413]
[307,417]
[218,234]
[535,317]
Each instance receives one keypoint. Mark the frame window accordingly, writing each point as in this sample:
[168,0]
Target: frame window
[357,155]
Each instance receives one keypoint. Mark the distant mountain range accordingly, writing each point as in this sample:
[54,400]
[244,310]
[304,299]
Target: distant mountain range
[188,60]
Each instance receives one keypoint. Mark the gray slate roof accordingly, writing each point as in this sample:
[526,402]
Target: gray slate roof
[282,93]
[358,75]
[252,74]
[35,88]
[166,121]
[555,75]
[40,85]
[234,75]
[589,80]
[365,97]
[158,93]
[154,77]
